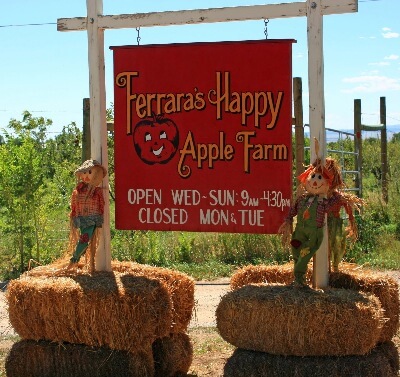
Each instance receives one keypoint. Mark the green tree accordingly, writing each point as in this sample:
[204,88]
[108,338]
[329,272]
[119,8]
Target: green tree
[23,170]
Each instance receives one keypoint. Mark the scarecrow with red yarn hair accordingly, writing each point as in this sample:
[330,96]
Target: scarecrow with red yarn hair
[319,194]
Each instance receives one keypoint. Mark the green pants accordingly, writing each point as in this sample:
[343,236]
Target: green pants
[306,240]
[84,239]
[337,240]
[310,243]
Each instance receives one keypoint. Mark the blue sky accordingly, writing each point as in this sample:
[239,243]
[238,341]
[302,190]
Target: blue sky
[46,72]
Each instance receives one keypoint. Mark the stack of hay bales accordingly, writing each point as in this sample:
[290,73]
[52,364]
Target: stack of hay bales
[132,320]
[279,330]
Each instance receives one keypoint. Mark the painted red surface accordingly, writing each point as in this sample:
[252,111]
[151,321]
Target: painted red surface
[203,136]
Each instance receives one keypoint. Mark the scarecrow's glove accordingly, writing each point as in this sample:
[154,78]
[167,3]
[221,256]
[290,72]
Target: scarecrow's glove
[286,230]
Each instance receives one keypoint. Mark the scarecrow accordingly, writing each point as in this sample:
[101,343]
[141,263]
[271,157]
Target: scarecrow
[87,208]
[319,193]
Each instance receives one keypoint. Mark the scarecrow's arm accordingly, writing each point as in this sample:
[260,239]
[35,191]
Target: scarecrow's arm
[286,229]
[73,204]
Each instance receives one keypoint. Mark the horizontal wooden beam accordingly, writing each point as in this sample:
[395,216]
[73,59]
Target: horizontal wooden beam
[212,15]
[378,127]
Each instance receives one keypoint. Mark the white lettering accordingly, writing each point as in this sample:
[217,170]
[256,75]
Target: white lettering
[185,197]
[144,196]
[177,216]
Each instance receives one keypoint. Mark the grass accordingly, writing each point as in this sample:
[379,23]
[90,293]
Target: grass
[206,340]
[210,352]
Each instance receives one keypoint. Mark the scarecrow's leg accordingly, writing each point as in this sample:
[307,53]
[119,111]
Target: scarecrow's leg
[305,254]
[84,239]
[298,239]
[300,268]
[336,245]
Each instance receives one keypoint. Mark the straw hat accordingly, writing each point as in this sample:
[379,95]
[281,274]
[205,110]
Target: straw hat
[89,164]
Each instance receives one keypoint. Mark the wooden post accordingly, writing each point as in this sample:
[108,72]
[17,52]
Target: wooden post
[298,125]
[358,145]
[86,130]
[317,119]
[384,165]
[98,122]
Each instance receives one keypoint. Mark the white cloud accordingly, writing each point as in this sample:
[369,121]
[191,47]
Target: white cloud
[371,84]
[373,72]
[388,33]
[380,64]
[392,57]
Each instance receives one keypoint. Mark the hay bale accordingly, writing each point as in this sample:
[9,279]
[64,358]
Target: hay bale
[283,320]
[350,277]
[179,285]
[379,284]
[29,358]
[282,274]
[172,355]
[116,310]
[244,363]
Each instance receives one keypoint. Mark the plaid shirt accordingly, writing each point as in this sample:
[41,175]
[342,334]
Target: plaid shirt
[303,203]
[336,202]
[331,205]
[83,205]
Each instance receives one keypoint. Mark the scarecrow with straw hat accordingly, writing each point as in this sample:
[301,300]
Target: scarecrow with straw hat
[319,193]
[87,208]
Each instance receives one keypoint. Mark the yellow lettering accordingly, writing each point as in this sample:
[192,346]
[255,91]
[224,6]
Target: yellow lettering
[275,107]
[188,149]
[124,79]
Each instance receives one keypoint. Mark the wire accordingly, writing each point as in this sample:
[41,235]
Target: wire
[396,119]
[23,25]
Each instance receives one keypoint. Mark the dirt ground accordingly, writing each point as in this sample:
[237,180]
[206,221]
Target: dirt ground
[210,350]
[207,296]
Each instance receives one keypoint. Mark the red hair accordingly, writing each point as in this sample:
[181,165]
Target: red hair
[317,167]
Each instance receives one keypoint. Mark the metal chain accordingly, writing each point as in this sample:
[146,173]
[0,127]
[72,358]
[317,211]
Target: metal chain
[266,28]
[138,35]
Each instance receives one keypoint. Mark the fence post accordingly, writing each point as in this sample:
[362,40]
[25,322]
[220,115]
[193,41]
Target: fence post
[358,145]
[384,165]
[86,154]
[298,124]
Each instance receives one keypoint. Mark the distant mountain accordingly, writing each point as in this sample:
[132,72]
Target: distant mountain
[343,133]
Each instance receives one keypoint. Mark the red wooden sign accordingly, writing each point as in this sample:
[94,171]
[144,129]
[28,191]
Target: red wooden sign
[203,136]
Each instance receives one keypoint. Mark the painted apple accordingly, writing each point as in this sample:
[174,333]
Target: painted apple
[156,139]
